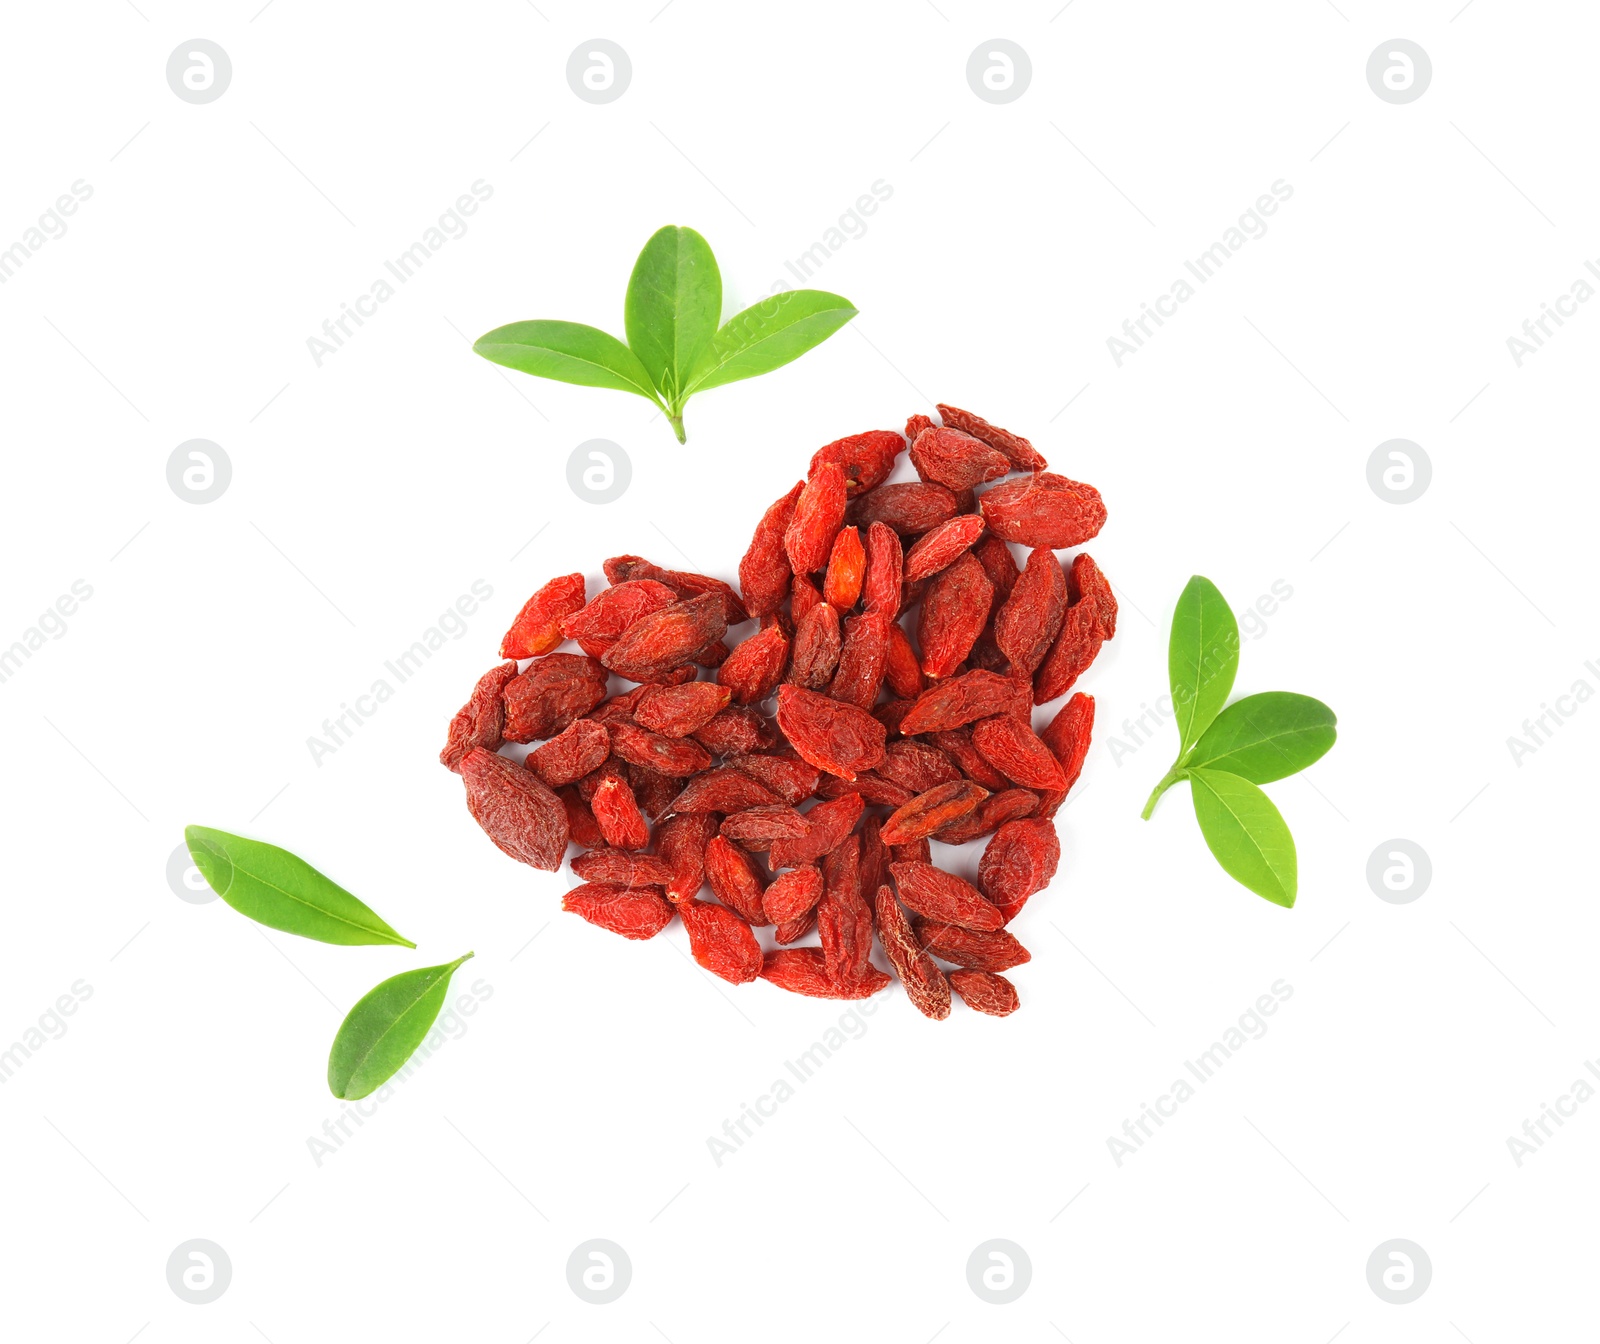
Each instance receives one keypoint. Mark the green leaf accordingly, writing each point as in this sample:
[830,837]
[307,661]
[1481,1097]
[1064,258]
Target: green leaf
[1202,658]
[568,352]
[383,1031]
[1246,834]
[1266,737]
[273,887]
[767,335]
[673,305]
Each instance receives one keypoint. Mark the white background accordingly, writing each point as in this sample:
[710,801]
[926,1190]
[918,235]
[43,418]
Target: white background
[369,493]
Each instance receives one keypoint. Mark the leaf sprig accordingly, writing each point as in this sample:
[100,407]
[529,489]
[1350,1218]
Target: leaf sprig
[675,347]
[1225,753]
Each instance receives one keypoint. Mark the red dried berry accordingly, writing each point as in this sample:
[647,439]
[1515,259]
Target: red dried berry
[685,586]
[1009,745]
[619,868]
[537,628]
[999,564]
[908,507]
[726,791]
[965,699]
[792,930]
[957,744]
[664,640]
[600,624]
[721,941]
[1044,510]
[832,735]
[1017,863]
[632,912]
[991,814]
[555,690]
[479,722]
[756,828]
[578,750]
[751,671]
[1021,454]
[818,515]
[734,879]
[790,778]
[941,547]
[955,460]
[681,843]
[804,970]
[925,983]
[985,991]
[735,730]
[881,586]
[844,919]
[954,612]
[995,950]
[1069,657]
[792,894]
[817,641]
[863,660]
[830,821]
[847,564]
[865,459]
[1027,624]
[764,572]
[803,595]
[915,424]
[918,766]
[674,756]
[903,669]
[1087,582]
[581,825]
[932,811]
[516,810]
[617,811]
[677,711]
[936,894]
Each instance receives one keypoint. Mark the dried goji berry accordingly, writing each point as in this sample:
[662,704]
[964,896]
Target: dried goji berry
[1027,624]
[985,991]
[993,950]
[908,507]
[915,425]
[957,744]
[551,694]
[936,894]
[804,970]
[654,791]
[726,791]
[817,641]
[844,919]
[873,789]
[792,930]
[516,809]
[634,912]
[873,866]
[891,711]
[736,730]
[764,572]
[942,546]
[600,624]
[1088,582]
[832,735]
[619,868]
[885,562]
[965,699]
[902,669]
[617,811]
[918,766]
[918,851]
[681,844]
[1044,510]
[1009,745]
[863,660]
[792,894]
[955,460]
[992,813]
[830,822]
[481,721]
[721,941]
[734,879]
[756,666]
[925,983]
[1068,739]
[676,711]
[656,644]
[673,756]
[622,568]
[866,459]
[1022,454]
[581,825]
[932,811]
[954,612]
[818,515]
[789,777]
[803,595]
[1019,861]
[537,628]
[1069,657]
[757,827]
[571,754]
[847,563]
[999,564]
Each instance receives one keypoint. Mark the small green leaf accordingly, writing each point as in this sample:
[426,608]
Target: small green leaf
[673,305]
[275,888]
[1266,737]
[767,335]
[568,352]
[383,1031]
[1202,658]
[1245,833]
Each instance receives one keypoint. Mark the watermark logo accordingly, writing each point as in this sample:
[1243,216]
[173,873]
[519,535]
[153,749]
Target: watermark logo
[50,1026]
[50,624]
[1399,71]
[51,226]
[1399,471]
[1537,1131]
[999,71]
[599,471]
[199,471]
[185,880]
[199,1271]
[1399,1271]
[1399,871]
[599,1271]
[599,71]
[199,71]
[999,1271]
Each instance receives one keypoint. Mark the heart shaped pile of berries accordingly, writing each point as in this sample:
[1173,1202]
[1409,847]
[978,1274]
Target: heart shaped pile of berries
[881,741]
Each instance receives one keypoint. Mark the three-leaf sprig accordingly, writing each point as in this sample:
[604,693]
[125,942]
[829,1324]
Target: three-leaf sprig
[1225,752]
[675,346]
[284,892]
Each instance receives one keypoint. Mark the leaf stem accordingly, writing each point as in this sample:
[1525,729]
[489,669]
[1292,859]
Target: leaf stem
[1168,780]
[676,421]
